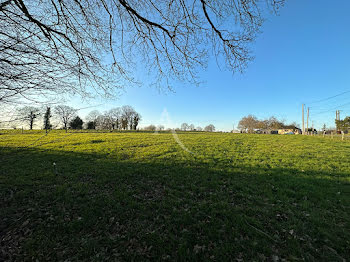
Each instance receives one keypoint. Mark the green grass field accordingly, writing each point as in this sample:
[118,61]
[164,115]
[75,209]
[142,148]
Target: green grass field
[140,196]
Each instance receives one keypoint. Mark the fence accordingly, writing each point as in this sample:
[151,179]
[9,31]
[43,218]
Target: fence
[334,136]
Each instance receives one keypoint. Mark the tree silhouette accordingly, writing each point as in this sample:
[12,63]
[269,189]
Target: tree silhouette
[209,128]
[65,114]
[47,116]
[76,123]
[29,114]
[91,125]
[184,126]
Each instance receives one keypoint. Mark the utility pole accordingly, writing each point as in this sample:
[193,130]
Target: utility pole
[336,115]
[307,121]
[303,131]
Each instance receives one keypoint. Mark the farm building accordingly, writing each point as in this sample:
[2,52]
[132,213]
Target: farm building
[289,130]
[265,131]
[282,131]
[285,131]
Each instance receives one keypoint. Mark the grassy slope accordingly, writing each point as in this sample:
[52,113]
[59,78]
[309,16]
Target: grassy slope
[122,196]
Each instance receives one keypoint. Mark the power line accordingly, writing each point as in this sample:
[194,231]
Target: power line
[88,107]
[329,98]
[326,111]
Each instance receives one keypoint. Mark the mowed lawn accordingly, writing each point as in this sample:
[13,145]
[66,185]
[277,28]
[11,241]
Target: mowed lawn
[141,196]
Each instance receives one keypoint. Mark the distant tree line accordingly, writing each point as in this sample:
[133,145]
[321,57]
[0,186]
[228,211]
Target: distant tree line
[250,123]
[119,118]
[184,127]
[191,127]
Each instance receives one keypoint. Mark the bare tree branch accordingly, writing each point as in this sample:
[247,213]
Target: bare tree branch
[59,47]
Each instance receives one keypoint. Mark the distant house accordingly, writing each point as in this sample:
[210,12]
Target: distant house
[265,131]
[311,131]
[286,131]
[289,130]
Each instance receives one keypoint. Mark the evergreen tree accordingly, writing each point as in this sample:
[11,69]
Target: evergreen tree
[47,116]
[91,125]
[76,123]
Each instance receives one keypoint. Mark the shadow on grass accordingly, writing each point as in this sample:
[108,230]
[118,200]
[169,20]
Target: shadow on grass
[95,208]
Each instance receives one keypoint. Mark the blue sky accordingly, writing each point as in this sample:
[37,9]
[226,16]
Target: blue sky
[301,56]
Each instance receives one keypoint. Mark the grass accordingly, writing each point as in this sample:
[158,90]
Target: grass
[140,196]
